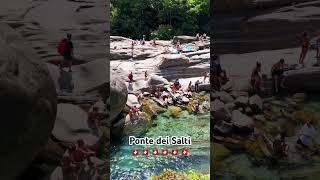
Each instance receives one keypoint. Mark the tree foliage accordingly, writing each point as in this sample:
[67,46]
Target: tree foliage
[160,18]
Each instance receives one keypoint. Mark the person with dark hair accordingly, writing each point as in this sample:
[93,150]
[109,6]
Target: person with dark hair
[68,56]
[276,72]
[304,48]
[256,78]
[280,147]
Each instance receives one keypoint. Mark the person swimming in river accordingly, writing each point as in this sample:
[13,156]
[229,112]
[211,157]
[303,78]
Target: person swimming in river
[276,73]
[304,48]
[306,135]
[256,78]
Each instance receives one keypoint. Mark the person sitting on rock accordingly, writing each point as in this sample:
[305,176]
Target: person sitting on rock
[173,88]
[158,92]
[280,147]
[276,72]
[198,36]
[68,165]
[205,104]
[256,78]
[178,45]
[307,134]
[154,42]
[177,84]
[130,77]
[204,36]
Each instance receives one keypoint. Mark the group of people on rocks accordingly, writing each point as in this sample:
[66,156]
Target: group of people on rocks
[277,71]
[305,141]
[305,46]
[75,159]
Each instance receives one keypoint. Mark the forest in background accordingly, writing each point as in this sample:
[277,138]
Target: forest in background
[160,19]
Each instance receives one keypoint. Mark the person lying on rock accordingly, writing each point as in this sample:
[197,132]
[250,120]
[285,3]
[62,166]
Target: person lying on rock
[256,78]
[307,134]
[280,147]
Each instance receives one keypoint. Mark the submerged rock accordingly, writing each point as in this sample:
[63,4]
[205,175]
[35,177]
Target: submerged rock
[28,104]
[174,111]
[219,151]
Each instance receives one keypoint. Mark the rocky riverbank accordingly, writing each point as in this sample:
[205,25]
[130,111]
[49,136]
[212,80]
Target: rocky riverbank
[245,127]
[42,24]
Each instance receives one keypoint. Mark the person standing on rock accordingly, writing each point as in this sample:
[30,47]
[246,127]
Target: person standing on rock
[132,49]
[197,85]
[205,76]
[276,72]
[190,86]
[304,48]
[130,77]
[93,119]
[68,55]
[256,78]
[146,75]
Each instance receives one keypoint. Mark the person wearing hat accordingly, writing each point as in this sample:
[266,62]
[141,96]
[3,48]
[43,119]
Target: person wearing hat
[276,72]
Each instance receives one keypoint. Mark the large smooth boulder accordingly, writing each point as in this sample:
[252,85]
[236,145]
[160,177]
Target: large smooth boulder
[72,124]
[157,80]
[242,123]
[219,111]
[184,39]
[118,96]
[225,97]
[173,60]
[242,101]
[133,101]
[28,104]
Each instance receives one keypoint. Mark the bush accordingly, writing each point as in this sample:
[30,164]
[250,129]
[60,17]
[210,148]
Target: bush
[164,32]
